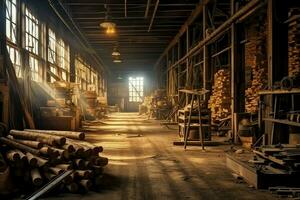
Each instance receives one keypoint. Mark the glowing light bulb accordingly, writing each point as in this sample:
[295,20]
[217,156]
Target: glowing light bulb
[110,30]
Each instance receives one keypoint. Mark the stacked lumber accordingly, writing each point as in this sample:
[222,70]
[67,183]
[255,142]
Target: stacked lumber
[256,60]
[157,105]
[294,42]
[284,156]
[219,102]
[35,157]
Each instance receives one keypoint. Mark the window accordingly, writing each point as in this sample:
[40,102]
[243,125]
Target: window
[136,89]
[31,32]
[11,20]
[94,81]
[64,59]
[52,47]
[34,68]
[15,59]
[81,73]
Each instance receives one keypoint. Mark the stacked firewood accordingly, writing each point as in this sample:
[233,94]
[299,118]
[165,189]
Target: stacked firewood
[256,59]
[294,42]
[37,156]
[219,102]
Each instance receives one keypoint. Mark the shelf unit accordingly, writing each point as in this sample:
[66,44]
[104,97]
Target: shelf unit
[190,118]
[277,94]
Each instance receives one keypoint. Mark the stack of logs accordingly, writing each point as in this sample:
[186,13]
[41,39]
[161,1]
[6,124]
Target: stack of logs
[37,156]
[256,59]
[219,102]
[294,42]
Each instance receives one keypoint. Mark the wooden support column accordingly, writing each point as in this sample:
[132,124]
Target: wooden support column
[205,53]
[2,40]
[237,75]
[72,66]
[187,85]
[277,51]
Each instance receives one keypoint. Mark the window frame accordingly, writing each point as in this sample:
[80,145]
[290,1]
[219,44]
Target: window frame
[136,89]
[32,32]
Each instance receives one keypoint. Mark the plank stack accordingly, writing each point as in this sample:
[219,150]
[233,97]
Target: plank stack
[37,156]
[294,42]
[219,102]
[256,61]
[283,157]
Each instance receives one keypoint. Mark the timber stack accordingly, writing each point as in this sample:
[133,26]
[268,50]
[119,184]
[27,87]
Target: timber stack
[38,156]
[219,102]
[294,42]
[256,60]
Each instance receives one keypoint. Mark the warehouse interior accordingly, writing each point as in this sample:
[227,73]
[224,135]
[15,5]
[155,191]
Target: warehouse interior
[149,99]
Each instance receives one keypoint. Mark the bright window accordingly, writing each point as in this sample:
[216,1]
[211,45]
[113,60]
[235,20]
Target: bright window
[31,32]
[81,73]
[11,20]
[15,59]
[34,68]
[52,47]
[64,59]
[136,89]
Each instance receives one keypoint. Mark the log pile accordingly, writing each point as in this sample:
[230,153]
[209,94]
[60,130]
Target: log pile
[219,102]
[256,60]
[36,156]
[294,42]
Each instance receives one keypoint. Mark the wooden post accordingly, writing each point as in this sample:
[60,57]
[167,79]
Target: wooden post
[237,76]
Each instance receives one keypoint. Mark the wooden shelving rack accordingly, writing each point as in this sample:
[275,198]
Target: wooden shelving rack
[190,118]
[277,94]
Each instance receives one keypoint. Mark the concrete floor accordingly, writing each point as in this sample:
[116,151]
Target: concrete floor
[143,164]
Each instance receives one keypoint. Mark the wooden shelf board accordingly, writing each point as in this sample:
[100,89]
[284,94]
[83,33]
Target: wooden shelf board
[193,125]
[282,121]
[292,91]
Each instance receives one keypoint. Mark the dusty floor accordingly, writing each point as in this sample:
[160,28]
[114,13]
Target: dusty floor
[145,165]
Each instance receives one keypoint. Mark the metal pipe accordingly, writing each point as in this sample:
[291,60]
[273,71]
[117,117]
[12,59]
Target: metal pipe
[153,16]
[254,4]
[147,8]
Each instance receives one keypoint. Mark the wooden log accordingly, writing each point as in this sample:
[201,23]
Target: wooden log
[13,156]
[101,161]
[88,164]
[85,174]
[32,161]
[42,137]
[41,162]
[36,177]
[30,143]
[47,151]
[79,150]
[64,166]
[68,134]
[86,184]
[68,180]
[69,147]
[16,145]
[49,176]
[73,187]
[22,155]
[61,152]
[56,170]
[79,163]
[3,164]
[95,148]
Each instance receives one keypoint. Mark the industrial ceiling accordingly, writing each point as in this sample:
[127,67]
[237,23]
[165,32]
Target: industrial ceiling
[143,28]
